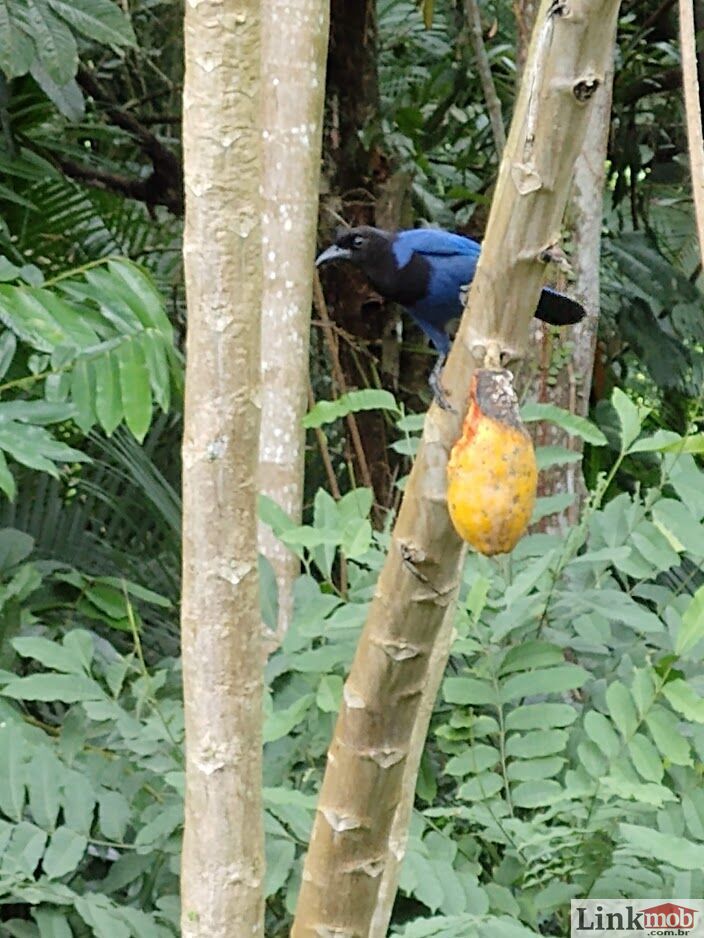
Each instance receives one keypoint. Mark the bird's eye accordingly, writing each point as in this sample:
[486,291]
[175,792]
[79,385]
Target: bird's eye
[357,241]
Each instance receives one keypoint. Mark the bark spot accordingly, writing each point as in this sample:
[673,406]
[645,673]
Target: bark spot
[217,448]
[399,651]
[385,758]
[526,178]
[332,931]
[234,572]
[353,699]
[372,868]
[585,88]
[339,821]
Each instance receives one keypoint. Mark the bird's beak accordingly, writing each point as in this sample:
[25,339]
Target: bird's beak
[333,253]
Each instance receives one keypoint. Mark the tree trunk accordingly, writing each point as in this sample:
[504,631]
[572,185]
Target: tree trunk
[294,47]
[222,863]
[694,115]
[383,712]
[561,369]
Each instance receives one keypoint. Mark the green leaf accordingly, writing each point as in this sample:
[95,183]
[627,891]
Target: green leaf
[44,774]
[544,681]
[78,801]
[280,857]
[551,504]
[83,393]
[48,653]
[478,758]
[53,39]
[51,923]
[630,417]
[64,853]
[527,770]
[56,687]
[97,913]
[571,423]
[482,786]
[27,846]
[136,388]
[684,699]
[369,399]
[691,631]
[540,716]
[601,732]
[136,287]
[547,456]
[592,758]
[645,758]
[281,722]
[16,48]
[156,357]
[7,482]
[12,771]
[36,447]
[537,743]
[329,693]
[114,814]
[667,848]
[469,691]
[529,655]
[665,730]
[621,708]
[101,20]
[682,531]
[108,402]
[8,346]
[536,794]
[67,98]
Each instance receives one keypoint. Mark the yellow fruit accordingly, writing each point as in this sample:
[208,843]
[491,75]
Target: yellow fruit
[492,475]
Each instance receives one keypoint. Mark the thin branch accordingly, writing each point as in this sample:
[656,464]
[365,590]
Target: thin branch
[164,186]
[694,114]
[324,451]
[493,104]
[339,379]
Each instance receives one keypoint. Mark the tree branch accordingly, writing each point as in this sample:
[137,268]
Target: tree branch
[694,115]
[351,870]
[164,186]
[493,104]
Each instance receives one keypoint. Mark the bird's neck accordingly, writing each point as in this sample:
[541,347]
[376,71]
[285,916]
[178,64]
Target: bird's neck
[404,285]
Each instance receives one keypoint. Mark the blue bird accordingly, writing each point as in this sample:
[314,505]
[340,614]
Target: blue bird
[427,271]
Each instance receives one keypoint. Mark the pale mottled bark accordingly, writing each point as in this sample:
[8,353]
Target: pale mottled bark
[695,135]
[294,48]
[563,361]
[222,863]
[349,877]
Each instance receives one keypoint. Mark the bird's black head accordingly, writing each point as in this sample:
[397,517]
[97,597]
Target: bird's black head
[361,246]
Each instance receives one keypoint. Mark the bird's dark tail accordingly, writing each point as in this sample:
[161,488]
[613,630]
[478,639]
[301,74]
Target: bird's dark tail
[558,309]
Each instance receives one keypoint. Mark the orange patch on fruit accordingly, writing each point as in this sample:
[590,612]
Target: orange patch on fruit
[492,475]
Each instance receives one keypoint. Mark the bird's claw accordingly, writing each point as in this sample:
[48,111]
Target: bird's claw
[436,387]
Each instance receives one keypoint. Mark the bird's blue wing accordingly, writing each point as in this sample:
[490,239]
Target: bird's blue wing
[432,242]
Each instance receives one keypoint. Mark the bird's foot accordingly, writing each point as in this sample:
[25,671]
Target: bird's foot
[464,293]
[436,387]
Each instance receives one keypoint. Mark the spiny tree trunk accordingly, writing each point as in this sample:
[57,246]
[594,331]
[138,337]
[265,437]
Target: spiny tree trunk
[294,47]
[562,366]
[355,844]
[222,863]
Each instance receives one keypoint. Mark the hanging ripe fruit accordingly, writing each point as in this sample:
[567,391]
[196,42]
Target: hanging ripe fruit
[492,475]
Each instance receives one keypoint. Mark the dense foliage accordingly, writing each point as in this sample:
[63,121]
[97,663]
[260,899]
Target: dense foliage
[566,750]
